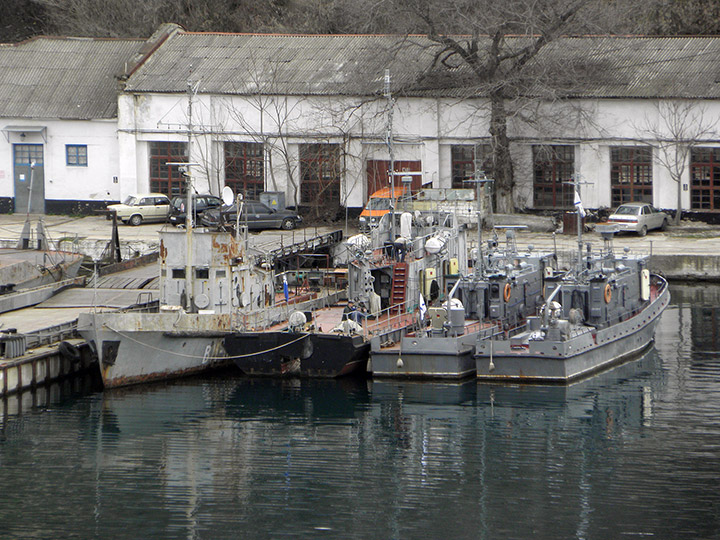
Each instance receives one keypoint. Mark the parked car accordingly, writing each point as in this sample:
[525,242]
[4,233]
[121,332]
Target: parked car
[254,213]
[639,218]
[201,203]
[378,205]
[140,208]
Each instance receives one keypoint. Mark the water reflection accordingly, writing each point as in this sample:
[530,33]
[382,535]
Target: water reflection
[630,452]
[294,399]
[45,396]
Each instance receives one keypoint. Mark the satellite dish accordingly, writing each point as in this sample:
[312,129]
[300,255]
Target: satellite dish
[228,197]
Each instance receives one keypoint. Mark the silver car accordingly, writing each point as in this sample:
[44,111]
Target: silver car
[639,218]
[137,209]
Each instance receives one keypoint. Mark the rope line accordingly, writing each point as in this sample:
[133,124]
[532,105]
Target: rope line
[205,357]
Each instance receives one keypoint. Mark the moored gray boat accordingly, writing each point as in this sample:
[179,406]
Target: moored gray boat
[505,288]
[597,315]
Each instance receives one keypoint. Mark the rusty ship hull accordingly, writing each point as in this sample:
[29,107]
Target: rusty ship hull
[135,348]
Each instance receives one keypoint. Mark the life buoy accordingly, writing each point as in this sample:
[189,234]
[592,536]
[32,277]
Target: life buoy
[608,293]
[507,292]
[69,351]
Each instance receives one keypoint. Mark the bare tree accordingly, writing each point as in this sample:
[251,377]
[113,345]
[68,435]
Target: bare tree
[675,129]
[498,59]
[679,17]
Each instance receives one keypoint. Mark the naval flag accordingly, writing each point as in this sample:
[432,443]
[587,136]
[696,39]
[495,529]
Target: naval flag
[423,307]
[578,204]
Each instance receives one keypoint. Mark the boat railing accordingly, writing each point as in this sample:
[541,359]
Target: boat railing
[396,317]
[262,319]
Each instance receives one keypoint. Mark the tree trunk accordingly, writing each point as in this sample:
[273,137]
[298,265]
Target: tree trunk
[678,212]
[502,163]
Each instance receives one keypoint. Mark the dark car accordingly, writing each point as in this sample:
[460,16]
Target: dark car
[201,203]
[254,213]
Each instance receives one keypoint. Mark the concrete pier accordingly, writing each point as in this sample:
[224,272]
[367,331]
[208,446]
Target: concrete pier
[44,365]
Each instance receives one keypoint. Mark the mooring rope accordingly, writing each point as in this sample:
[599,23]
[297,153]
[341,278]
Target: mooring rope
[204,357]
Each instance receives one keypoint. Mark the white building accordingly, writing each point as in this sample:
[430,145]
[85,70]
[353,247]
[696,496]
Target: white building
[308,116]
[58,117]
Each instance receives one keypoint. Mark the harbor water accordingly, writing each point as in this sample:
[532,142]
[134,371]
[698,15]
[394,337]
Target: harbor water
[630,453]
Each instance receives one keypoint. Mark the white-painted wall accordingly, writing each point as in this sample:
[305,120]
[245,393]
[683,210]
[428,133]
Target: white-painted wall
[424,129]
[62,182]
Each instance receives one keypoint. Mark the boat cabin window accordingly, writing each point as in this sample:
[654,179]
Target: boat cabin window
[178,273]
[202,273]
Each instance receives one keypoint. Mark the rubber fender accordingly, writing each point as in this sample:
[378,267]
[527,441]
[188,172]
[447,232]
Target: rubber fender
[69,351]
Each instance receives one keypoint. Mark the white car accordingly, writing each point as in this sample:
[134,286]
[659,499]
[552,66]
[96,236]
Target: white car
[137,209]
[638,218]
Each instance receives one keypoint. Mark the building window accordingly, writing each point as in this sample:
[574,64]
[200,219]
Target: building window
[463,163]
[320,171]
[553,168]
[378,170]
[705,179]
[631,174]
[76,155]
[27,154]
[244,168]
[166,178]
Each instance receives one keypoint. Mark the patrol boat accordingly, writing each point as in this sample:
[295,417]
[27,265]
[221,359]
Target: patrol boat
[505,288]
[600,313]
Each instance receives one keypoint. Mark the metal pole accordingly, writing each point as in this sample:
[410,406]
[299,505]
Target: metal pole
[389,141]
[189,210]
[478,196]
[579,228]
[30,186]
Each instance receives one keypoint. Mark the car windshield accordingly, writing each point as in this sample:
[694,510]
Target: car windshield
[178,202]
[379,204]
[628,210]
[130,201]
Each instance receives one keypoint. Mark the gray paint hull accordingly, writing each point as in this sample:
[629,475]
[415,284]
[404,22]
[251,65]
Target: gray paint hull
[426,357]
[578,357]
[134,348]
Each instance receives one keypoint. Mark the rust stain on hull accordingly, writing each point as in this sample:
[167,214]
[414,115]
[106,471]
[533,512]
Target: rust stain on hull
[119,382]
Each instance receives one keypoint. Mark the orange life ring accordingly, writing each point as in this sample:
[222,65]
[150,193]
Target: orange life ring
[608,293]
[507,292]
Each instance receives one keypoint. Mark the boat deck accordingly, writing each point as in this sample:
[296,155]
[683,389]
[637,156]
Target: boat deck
[327,319]
[471,327]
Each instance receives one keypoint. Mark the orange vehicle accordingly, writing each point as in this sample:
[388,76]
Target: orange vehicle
[378,205]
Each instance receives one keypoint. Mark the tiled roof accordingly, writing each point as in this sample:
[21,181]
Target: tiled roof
[277,64]
[355,65]
[68,78]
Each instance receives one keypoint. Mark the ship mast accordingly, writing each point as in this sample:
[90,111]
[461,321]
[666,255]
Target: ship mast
[389,142]
[480,179]
[580,213]
[184,167]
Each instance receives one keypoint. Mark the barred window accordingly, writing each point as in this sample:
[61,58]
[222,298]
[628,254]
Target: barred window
[705,179]
[244,168]
[631,174]
[553,168]
[166,178]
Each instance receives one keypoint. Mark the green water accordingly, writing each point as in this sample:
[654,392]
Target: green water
[634,452]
